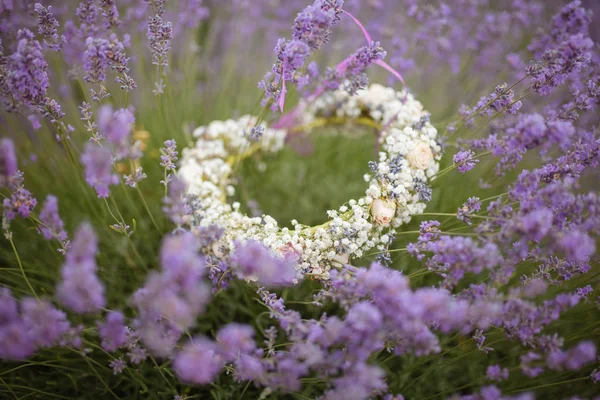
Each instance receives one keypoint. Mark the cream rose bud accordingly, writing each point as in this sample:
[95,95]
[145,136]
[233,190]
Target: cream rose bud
[383,211]
[342,259]
[420,157]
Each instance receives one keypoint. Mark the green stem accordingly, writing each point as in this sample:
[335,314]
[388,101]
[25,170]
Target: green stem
[148,209]
[12,243]
[550,384]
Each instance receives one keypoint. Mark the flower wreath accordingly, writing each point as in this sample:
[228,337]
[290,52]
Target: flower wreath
[397,189]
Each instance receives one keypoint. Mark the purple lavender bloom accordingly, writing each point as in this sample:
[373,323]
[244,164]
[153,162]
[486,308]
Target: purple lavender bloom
[113,331]
[573,359]
[527,364]
[176,205]
[364,317]
[47,27]
[98,165]
[198,362]
[465,160]
[254,261]
[352,69]
[80,289]
[169,155]
[168,158]
[137,355]
[249,368]
[577,245]
[311,29]
[235,339]
[118,365]
[100,54]
[53,226]
[160,34]
[536,224]
[8,306]
[46,325]
[8,161]
[464,213]
[136,177]
[497,373]
[116,127]
[16,342]
[110,13]
[21,201]
[27,79]
[170,301]
[96,59]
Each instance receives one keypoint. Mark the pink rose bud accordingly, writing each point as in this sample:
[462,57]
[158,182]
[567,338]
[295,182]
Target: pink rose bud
[420,157]
[383,211]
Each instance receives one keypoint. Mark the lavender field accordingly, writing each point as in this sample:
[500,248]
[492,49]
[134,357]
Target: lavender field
[286,199]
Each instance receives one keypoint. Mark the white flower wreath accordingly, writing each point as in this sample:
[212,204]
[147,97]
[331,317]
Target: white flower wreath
[397,189]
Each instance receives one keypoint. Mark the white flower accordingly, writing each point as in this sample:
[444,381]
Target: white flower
[420,157]
[383,211]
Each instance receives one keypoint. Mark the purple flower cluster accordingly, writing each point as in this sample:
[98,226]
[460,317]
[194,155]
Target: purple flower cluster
[350,72]
[465,161]
[31,325]
[80,289]
[168,158]
[253,261]
[8,161]
[25,81]
[101,54]
[171,300]
[311,30]
[21,201]
[47,27]
[115,127]
[98,166]
[52,226]
[113,332]
[160,34]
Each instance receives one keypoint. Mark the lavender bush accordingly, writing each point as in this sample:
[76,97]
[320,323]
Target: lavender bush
[111,288]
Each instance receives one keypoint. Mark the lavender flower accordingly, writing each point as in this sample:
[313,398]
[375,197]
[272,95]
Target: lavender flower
[176,205]
[53,226]
[45,324]
[113,332]
[167,160]
[198,362]
[27,79]
[464,213]
[311,29]
[118,365]
[8,161]
[573,359]
[171,300]
[256,133]
[235,339]
[136,177]
[98,165]
[497,373]
[110,13]
[80,289]
[465,161]
[160,34]
[254,261]
[21,201]
[116,128]
[47,27]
